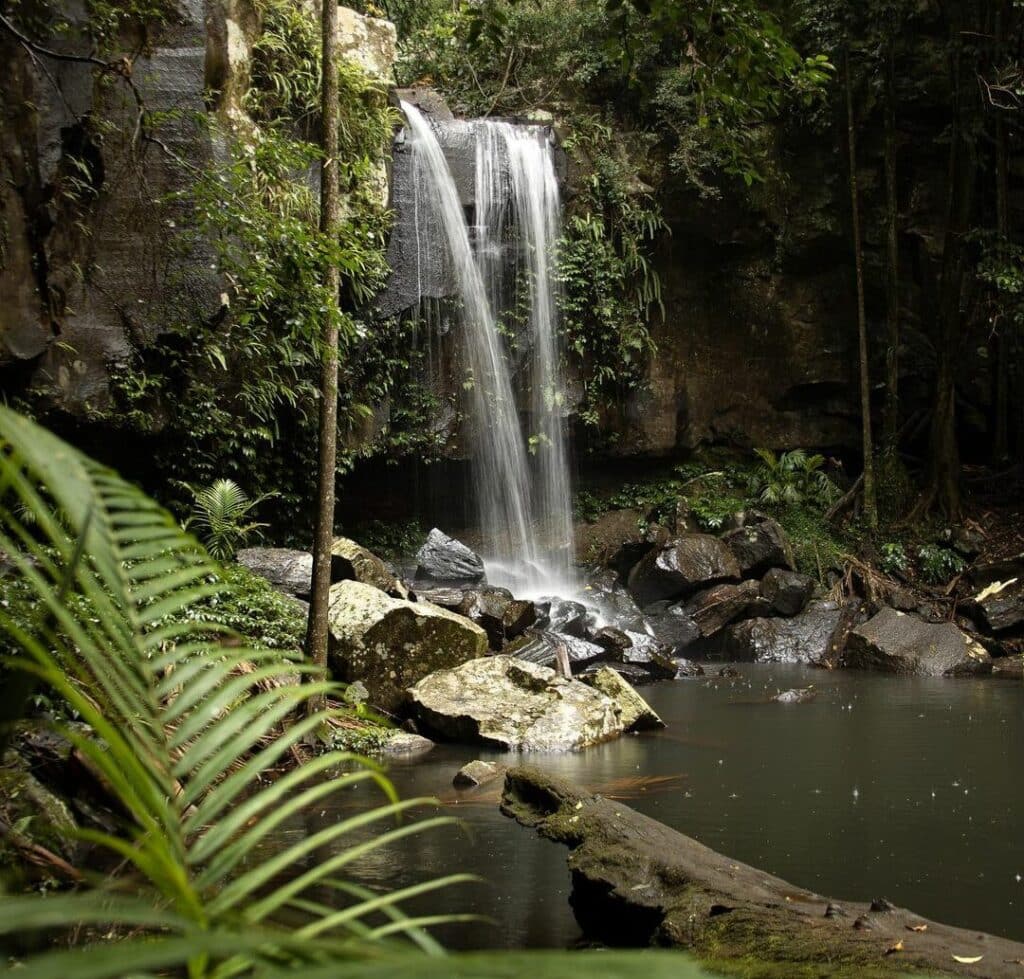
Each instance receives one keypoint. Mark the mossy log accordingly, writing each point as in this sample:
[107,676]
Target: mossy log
[636,882]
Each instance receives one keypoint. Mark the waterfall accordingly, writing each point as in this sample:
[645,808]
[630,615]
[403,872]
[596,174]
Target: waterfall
[521,479]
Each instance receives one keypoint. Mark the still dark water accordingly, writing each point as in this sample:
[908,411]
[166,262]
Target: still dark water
[909,789]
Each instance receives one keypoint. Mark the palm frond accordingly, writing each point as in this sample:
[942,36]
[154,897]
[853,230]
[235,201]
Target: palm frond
[175,724]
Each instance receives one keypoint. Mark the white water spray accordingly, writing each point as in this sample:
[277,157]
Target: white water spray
[521,479]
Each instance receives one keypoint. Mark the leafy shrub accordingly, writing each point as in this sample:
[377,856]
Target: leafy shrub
[220,517]
[792,477]
[895,559]
[939,564]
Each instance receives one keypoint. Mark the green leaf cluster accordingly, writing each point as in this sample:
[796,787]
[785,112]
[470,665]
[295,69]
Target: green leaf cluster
[185,734]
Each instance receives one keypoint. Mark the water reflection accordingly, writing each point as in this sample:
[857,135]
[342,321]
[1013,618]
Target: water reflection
[897,787]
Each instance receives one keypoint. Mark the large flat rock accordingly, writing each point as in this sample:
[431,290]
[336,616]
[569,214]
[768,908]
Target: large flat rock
[894,642]
[509,703]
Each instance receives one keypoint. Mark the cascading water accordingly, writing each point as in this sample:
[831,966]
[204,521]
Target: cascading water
[521,479]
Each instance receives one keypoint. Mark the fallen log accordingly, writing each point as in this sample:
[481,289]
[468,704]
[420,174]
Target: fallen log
[637,882]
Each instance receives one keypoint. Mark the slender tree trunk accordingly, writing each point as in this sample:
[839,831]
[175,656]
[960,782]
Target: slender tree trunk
[870,507]
[1001,400]
[945,450]
[891,412]
[330,213]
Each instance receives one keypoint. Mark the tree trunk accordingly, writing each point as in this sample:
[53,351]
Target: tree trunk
[891,412]
[330,214]
[945,451]
[870,507]
[1001,398]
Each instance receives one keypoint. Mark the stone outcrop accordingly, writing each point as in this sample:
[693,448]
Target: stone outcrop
[682,567]
[894,642]
[998,600]
[288,570]
[389,644]
[715,608]
[637,882]
[787,592]
[353,562]
[804,638]
[637,714]
[759,543]
[476,773]
[513,705]
[443,558]
[100,259]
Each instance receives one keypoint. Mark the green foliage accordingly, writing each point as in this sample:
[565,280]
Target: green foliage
[819,546]
[608,285]
[792,478]
[220,516]
[938,564]
[390,539]
[639,91]
[177,721]
[237,397]
[251,607]
[895,560]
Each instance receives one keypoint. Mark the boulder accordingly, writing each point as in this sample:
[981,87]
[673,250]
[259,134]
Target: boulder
[646,652]
[635,675]
[788,592]
[686,668]
[1000,604]
[389,644]
[500,615]
[759,543]
[288,570]
[477,773]
[540,647]
[569,618]
[894,642]
[798,695]
[715,608]
[637,714]
[442,558]
[508,703]
[613,601]
[682,567]
[353,562]
[672,625]
[612,640]
[1009,667]
[804,638]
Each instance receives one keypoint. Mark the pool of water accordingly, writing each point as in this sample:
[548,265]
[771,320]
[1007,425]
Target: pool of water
[909,789]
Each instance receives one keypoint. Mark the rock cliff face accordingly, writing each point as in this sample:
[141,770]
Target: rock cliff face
[96,258]
[758,340]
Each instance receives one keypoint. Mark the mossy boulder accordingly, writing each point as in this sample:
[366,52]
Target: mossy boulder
[637,714]
[514,705]
[353,562]
[389,644]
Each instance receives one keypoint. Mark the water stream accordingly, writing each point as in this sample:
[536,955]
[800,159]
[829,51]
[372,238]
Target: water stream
[521,477]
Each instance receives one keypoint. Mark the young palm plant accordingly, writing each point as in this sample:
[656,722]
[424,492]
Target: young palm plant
[185,733]
[220,516]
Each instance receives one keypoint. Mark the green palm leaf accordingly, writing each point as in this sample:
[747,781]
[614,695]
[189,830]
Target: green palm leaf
[185,732]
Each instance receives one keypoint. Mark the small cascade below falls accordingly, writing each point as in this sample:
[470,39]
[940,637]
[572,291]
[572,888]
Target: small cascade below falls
[521,478]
